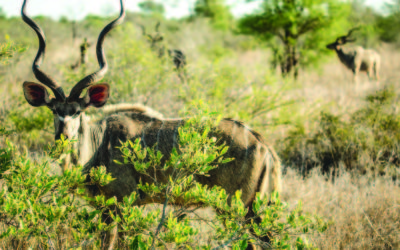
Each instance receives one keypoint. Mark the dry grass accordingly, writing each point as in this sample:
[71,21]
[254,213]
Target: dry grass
[365,214]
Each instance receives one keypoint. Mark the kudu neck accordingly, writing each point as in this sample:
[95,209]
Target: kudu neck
[339,51]
[344,57]
[89,138]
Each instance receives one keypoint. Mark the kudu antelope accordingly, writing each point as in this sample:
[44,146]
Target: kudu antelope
[356,58]
[84,56]
[255,168]
[178,57]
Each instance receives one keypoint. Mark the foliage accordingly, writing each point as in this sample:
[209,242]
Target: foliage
[9,49]
[216,11]
[31,127]
[388,24]
[2,13]
[366,18]
[94,21]
[152,7]
[196,155]
[302,27]
[38,209]
[367,142]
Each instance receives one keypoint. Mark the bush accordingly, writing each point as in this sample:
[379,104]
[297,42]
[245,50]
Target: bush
[8,50]
[32,129]
[367,142]
[41,210]
[38,209]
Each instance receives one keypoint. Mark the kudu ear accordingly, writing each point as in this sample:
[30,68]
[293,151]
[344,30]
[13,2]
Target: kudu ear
[35,94]
[97,95]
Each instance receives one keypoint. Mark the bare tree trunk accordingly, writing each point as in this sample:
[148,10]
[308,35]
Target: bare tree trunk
[74,33]
[295,62]
[290,61]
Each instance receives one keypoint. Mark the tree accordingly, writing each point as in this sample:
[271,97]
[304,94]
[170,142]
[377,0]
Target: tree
[366,17]
[216,11]
[303,28]
[152,7]
[9,49]
[389,25]
[2,14]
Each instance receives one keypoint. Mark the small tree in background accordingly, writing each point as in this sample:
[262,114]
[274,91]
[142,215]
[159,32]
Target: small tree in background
[303,28]
[216,10]
[2,14]
[366,17]
[151,7]
[389,25]
[8,50]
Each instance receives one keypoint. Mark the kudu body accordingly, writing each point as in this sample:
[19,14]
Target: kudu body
[356,58]
[178,57]
[83,54]
[255,168]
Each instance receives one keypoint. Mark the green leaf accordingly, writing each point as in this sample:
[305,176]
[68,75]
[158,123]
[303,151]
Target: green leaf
[111,201]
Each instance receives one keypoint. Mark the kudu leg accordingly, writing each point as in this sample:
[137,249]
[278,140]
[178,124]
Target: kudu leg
[370,74]
[257,219]
[182,75]
[355,78]
[109,239]
[66,162]
[376,74]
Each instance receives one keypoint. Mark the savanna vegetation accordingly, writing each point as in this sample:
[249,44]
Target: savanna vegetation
[339,142]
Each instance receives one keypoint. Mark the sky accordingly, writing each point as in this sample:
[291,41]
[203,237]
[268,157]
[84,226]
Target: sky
[78,9]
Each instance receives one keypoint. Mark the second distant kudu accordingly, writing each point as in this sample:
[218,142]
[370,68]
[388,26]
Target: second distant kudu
[356,58]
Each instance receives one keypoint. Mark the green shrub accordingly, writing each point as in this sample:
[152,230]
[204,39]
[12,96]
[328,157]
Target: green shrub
[38,209]
[32,127]
[368,141]
[9,49]
[197,154]
[41,210]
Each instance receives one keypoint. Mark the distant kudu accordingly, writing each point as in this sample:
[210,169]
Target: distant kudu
[256,167]
[356,58]
[178,57]
[84,56]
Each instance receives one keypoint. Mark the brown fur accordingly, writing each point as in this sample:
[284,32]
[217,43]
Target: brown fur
[128,107]
[356,58]
[256,166]
[246,146]
[89,121]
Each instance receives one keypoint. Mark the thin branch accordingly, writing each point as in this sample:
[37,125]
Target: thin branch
[373,228]
[259,112]
[278,34]
[161,221]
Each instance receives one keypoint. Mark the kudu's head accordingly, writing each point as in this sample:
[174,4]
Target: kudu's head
[342,40]
[153,39]
[67,109]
